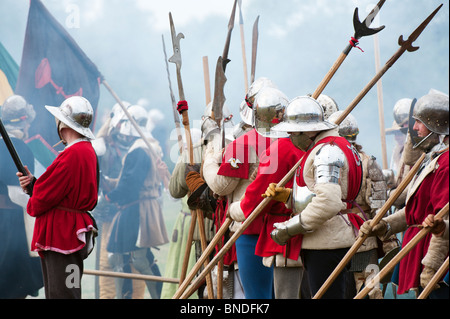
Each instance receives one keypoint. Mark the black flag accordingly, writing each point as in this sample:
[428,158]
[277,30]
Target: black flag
[53,68]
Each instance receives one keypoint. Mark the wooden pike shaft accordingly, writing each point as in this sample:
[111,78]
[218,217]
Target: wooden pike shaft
[129,276]
[202,258]
[437,276]
[207,80]
[232,240]
[187,251]
[402,253]
[383,210]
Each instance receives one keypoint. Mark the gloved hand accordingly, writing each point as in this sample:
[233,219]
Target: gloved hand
[378,230]
[191,168]
[280,233]
[437,225]
[193,178]
[425,277]
[280,194]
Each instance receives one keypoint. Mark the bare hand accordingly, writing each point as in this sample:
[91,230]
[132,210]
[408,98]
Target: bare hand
[25,180]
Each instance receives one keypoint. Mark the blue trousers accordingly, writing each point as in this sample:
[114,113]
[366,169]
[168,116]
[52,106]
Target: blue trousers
[256,278]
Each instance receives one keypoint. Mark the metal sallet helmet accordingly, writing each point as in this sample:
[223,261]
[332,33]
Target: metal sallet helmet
[401,116]
[329,105]
[269,107]
[348,127]
[140,116]
[246,107]
[432,110]
[304,114]
[77,113]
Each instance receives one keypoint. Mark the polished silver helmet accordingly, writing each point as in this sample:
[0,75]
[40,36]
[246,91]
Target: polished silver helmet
[432,110]
[117,114]
[348,127]
[246,113]
[401,116]
[254,89]
[303,114]
[329,105]
[16,111]
[269,107]
[401,111]
[77,113]
[140,116]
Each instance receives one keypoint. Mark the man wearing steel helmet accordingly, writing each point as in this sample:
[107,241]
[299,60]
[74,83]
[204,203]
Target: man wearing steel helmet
[427,194]
[229,174]
[20,271]
[138,225]
[327,181]
[371,197]
[61,200]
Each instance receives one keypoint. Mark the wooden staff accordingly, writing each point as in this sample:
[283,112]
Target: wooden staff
[361,29]
[437,276]
[207,80]
[383,210]
[129,276]
[244,56]
[380,103]
[402,253]
[187,251]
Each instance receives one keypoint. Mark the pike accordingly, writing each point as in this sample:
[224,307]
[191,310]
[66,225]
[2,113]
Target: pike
[228,40]
[15,157]
[176,58]
[174,104]
[402,253]
[405,45]
[437,276]
[220,78]
[254,49]
[244,57]
[361,29]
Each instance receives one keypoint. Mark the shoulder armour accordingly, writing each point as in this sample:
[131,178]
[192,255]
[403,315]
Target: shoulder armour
[327,163]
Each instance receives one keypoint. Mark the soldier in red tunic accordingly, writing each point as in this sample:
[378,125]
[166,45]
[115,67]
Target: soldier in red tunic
[327,181]
[427,193]
[61,200]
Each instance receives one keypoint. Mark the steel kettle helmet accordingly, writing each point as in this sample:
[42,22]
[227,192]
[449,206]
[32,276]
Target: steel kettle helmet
[77,113]
[304,114]
[432,110]
[16,111]
[269,107]
[348,127]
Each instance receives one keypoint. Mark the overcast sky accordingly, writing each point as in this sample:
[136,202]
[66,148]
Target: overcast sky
[299,40]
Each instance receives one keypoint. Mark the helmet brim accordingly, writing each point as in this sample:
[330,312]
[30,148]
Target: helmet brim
[56,112]
[304,127]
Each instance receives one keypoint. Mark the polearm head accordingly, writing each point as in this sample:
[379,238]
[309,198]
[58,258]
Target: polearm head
[362,28]
[254,49]
[176,57]
[219,96]
[404,46]
[227,42]
[413,37]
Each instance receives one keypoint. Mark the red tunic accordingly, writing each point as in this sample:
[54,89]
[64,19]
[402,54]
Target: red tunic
[236,163]
[69,182]
[276,162]
[429,198]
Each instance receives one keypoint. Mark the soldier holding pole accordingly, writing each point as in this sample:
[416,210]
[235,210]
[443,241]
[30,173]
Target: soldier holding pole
[427,194]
